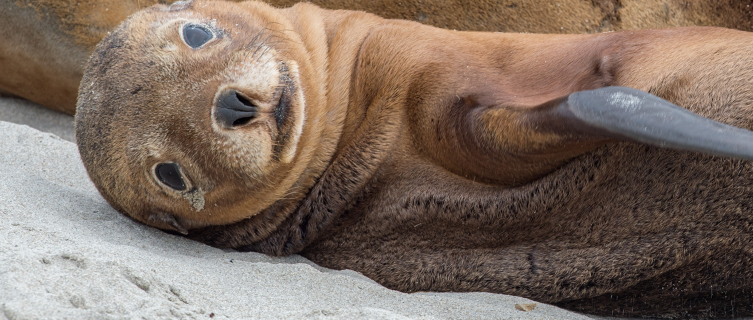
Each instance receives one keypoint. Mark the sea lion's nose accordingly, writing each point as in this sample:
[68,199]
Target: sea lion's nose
[232,109]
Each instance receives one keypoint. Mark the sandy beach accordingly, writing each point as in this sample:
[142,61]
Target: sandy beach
[65,253]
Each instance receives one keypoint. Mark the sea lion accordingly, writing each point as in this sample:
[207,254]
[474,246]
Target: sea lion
[47,42]
[437,160]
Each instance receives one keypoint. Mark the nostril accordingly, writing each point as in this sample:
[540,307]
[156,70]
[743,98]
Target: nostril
[231,99]
[234,110]
[242,121]
[243,100]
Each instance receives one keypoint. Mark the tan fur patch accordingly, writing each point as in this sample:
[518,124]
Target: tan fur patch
[85,20]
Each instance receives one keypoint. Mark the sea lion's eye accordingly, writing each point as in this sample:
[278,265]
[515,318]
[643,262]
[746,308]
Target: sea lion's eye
[169,174]
[196,36]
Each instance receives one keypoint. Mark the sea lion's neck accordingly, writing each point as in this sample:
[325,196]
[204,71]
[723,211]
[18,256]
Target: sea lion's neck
[344,32]
[329,41]
[337,156]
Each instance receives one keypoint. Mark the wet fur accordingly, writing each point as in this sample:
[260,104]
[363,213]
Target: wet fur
[411,183]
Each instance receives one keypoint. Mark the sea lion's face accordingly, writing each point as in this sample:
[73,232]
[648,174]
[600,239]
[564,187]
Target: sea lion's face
[192,115]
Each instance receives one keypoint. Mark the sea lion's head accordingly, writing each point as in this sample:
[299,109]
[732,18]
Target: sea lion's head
[199,114]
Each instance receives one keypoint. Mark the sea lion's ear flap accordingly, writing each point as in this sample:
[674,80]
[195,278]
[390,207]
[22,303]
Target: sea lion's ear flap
[180,5]
[619,113]
[166,221]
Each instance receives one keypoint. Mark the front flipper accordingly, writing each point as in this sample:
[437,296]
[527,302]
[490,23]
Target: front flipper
[515,145]
[633,115]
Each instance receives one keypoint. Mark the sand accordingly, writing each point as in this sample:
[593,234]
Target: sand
[65,253]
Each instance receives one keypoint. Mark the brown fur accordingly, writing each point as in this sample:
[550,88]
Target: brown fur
[409,169]
[47,41]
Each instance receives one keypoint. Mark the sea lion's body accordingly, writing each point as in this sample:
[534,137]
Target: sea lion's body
[396,149]
[47,42]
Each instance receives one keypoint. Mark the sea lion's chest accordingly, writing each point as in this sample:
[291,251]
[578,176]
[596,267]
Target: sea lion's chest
[418,204]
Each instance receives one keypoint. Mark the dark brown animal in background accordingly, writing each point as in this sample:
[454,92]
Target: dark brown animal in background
[47,42]
[437,160]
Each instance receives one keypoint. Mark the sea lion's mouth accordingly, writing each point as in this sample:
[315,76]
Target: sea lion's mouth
[286,87]
[283,118]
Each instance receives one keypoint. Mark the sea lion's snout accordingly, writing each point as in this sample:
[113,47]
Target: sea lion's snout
[233,110]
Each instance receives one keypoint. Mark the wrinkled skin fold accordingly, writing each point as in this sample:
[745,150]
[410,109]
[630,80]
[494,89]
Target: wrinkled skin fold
[437,160]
